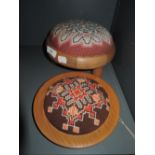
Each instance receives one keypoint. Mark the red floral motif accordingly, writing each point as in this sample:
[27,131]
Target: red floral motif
[76,97]
[60,102]
[88,108]
[76,92]
[92,86]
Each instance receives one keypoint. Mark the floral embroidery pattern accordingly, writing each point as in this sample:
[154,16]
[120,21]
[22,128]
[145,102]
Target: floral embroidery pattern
[77,97]
[82,32]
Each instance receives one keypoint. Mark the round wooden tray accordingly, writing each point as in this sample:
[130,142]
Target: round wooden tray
[70,140]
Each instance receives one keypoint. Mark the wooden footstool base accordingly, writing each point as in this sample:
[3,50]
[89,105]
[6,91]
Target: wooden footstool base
[76,109]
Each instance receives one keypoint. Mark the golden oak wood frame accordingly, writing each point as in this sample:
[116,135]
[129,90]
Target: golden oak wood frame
[69,140]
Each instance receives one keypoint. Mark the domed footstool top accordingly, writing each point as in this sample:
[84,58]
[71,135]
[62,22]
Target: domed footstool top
[76,109]
[75,43]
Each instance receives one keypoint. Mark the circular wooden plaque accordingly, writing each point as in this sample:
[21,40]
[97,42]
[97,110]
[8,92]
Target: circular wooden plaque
[69,139]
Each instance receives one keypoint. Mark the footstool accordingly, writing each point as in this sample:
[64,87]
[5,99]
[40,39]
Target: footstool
[81,44]
[76,109]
